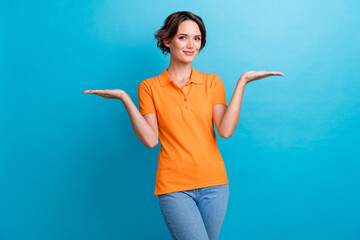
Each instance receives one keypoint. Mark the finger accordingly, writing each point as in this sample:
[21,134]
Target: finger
[101,95]
[92,91]
[278,73]
[97,91]
[266,73]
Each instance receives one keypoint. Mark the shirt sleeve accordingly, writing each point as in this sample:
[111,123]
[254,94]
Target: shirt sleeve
[146,100]
[218,91]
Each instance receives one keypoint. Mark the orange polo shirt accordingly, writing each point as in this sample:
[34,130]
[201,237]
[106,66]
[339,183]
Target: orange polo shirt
[189,157]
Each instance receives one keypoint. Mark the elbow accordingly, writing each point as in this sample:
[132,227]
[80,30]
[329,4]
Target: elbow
[225,135]
[152,144]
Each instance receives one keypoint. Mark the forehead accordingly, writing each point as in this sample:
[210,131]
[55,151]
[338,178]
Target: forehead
[189,26]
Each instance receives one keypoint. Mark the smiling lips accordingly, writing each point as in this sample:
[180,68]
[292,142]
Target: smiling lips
[189,53]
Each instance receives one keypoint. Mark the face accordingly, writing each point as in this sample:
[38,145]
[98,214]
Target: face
[186,44]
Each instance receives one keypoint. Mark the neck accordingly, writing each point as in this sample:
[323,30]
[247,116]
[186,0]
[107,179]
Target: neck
[179,71]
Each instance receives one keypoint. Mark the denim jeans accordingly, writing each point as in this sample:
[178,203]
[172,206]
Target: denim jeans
[195,214]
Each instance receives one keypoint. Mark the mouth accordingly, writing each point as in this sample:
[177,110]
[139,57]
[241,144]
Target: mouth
[189,53]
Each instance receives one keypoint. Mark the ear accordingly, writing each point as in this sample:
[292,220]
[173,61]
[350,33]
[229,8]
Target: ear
[167,43]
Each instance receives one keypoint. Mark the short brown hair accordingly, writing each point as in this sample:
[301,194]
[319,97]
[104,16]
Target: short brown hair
[170,27]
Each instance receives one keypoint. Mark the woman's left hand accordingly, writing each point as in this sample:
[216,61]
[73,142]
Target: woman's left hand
[253,75]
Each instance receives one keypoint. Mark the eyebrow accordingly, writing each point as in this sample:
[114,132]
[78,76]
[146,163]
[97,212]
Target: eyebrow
[186,34]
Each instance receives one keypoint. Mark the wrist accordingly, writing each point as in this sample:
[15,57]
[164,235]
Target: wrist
[123,96]
[241,82]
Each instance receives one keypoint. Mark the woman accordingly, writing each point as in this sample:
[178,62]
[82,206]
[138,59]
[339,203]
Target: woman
[180,107]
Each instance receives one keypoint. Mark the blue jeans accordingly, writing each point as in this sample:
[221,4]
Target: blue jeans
[195,214]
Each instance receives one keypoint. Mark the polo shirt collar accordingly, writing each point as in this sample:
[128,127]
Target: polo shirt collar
[196,77]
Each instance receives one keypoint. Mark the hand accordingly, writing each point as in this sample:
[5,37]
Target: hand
[253,75]
[107,93]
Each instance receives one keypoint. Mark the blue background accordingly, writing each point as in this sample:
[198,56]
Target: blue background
[72,167]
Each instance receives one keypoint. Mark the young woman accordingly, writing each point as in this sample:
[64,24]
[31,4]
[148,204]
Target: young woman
[180,107]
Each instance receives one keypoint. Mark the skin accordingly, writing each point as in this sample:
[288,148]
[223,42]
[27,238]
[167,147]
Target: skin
[187,38]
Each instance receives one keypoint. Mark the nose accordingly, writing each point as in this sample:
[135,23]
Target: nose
[190,43]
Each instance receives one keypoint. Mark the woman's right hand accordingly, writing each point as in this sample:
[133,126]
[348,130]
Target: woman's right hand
[107,93]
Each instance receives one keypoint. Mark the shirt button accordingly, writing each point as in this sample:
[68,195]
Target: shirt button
[185,99]
[186,107]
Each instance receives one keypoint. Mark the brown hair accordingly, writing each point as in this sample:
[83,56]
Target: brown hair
[170,27]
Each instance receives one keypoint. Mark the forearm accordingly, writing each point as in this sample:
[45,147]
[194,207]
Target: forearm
[232,113]
[142,129]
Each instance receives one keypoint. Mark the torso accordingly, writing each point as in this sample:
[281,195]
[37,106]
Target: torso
[189,157]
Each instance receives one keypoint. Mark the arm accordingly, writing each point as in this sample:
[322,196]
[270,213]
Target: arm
[227,118]
[145,127]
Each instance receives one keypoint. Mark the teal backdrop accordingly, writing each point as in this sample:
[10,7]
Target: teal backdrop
[72,167]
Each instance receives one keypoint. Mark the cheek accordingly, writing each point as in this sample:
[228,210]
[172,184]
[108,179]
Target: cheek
[181,45]
[198,45]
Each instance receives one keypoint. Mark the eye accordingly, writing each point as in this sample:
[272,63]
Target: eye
[181,37]
[198,38]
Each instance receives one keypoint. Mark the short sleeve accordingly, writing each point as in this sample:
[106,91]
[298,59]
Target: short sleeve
[218,91]
[146,101]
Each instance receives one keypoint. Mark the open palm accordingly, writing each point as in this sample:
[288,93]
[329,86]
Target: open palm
[107,93]
[256,75]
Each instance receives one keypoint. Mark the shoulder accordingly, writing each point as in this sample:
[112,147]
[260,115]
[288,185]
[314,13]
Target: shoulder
[209,76]
[211,80]
[206,75]
[150,82]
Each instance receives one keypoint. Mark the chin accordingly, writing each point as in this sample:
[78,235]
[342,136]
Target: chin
[187,60]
